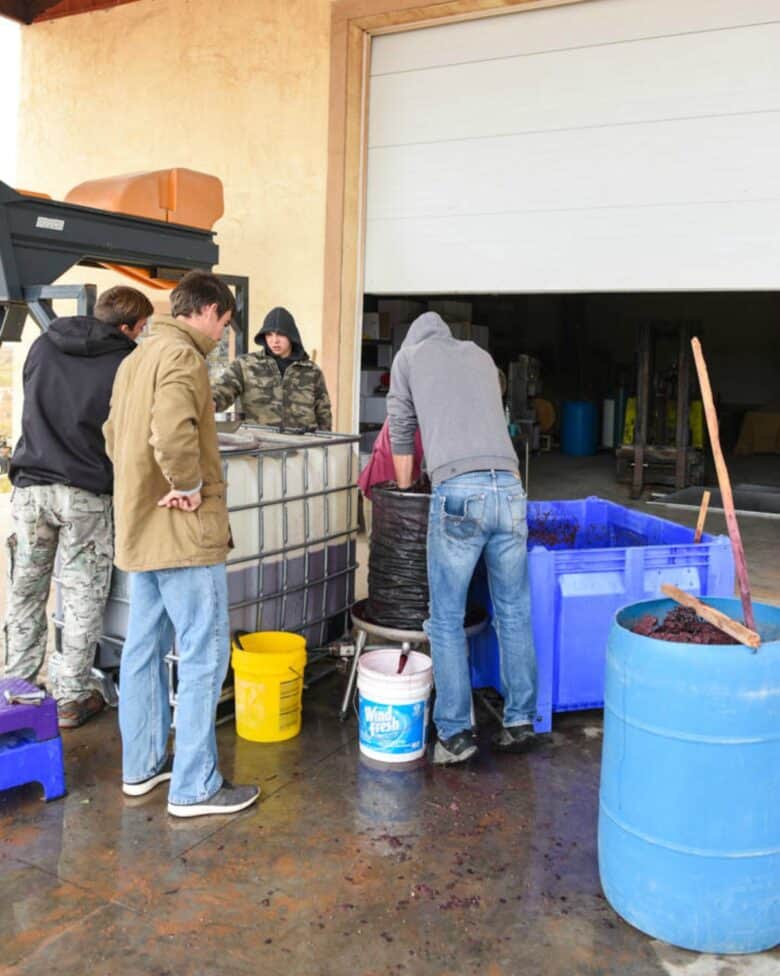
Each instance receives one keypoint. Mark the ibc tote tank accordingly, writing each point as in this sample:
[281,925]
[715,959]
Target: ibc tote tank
[689,808]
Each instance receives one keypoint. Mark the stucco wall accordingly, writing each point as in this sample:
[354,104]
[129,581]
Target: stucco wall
[238,89]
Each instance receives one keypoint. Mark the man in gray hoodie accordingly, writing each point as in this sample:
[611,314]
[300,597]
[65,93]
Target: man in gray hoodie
[449,390]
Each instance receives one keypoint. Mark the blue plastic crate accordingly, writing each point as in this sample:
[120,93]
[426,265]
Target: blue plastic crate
[586,560]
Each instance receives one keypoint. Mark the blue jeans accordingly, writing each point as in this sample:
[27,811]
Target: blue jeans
[471,513]
[193,603]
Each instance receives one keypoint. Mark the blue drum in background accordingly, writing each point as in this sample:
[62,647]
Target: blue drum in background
[579,428]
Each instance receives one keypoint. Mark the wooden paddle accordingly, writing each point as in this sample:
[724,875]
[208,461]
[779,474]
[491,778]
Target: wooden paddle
[705,504]
[731,627]
[724,482]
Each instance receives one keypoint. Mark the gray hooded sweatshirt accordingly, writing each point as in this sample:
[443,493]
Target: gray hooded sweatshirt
[449,389]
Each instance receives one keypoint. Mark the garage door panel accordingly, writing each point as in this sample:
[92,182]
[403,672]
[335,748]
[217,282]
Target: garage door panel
[601,165]
[696,160]
[689,248]
[666,78]
[561,27]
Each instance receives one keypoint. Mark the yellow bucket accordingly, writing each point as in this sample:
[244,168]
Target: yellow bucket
[268,670]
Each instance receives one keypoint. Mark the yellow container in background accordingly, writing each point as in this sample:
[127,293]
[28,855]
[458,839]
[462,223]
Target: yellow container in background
[268,669]
[629,423]
[696,421]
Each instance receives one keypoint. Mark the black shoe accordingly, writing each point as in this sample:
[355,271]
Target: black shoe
[515,738]
[227,799]
[457,749]
[147,785]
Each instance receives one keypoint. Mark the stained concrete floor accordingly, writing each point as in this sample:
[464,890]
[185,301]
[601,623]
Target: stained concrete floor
[341,869]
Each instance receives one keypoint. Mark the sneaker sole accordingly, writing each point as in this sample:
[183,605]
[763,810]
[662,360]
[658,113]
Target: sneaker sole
[75,723]
[204,810]
[141,789]
[449,759]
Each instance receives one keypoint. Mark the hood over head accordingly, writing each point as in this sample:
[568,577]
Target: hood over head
[429,325]
[83,335]
[281,321]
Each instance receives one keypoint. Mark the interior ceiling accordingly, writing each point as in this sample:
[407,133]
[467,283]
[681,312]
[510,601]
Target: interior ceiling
[34,11]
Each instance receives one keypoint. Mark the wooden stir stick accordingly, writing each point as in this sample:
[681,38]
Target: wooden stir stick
[731,627]
[705,504]
[724,482]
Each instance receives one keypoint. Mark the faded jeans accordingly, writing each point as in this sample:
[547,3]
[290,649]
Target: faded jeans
[192,603]
[482,511]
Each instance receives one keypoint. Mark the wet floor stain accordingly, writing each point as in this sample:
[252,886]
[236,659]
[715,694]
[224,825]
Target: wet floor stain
[342,868]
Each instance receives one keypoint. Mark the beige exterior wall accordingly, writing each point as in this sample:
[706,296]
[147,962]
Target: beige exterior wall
[238,89]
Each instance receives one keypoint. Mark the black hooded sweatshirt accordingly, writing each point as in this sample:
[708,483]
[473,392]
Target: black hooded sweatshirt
[68,376]
[281,321]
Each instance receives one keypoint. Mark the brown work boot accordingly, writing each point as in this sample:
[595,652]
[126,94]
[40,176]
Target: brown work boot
[72,714]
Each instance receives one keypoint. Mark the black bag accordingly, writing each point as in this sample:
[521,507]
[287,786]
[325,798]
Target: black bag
[397,561]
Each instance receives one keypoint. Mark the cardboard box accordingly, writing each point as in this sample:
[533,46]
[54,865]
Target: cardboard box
[399,310]
[481,335]
[367,441]
[467,332]
[451,311]
[460,330]
[376,326]
[384,356]
[373,409]
[400,330]
[370,379]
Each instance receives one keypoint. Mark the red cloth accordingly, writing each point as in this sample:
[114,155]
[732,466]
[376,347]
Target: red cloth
[380,467]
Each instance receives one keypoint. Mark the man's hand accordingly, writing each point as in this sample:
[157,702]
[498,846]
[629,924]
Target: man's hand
[185,503]
[404,468]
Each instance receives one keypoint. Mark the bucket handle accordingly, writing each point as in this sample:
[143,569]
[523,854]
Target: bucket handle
[237,635]
[298,674]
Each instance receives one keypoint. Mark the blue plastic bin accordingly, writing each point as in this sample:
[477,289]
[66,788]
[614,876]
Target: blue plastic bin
[586,560]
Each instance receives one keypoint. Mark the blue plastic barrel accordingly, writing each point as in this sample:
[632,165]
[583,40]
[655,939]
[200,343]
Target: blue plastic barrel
[579,428]
[689,816]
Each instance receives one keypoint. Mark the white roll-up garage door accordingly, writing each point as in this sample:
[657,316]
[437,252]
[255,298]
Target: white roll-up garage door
[610,145]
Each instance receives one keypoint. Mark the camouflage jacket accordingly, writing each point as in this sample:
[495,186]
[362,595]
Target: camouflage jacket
[299,399]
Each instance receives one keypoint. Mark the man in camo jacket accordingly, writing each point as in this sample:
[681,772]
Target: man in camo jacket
[278,385]
[62,498]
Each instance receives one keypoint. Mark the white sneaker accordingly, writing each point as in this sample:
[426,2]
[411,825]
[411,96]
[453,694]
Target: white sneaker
[147,785]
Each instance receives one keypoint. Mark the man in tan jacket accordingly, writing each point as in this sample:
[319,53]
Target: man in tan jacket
[172,537]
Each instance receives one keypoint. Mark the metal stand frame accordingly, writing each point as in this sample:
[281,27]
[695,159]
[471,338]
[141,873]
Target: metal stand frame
[41,239]
[645,369]
[408,639]
[39,298]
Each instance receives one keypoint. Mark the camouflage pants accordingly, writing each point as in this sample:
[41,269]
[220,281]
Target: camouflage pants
[76,525]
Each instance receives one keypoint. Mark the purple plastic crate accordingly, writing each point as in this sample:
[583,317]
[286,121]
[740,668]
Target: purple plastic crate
[41,719]
[586,560]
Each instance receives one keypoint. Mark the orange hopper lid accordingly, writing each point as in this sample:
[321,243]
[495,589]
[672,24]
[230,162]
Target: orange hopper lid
[177,196]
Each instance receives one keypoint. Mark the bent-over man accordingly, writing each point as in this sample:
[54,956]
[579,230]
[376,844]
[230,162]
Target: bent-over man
[449,389]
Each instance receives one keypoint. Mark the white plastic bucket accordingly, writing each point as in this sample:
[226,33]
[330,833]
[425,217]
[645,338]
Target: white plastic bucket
[393,708]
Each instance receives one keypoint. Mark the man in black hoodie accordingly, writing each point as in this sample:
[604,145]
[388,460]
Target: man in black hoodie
[279,385]
[62,500]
